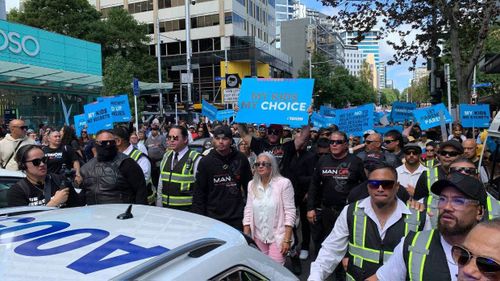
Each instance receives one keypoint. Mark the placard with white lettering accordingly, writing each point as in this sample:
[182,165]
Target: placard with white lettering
[98,116]
[275,101]
[477,116]
[354,121]
[80,123]
[321,121]
[224,114]
[327,111]
[402,111]
[429,117]
[120,107]
[208,110]
[231,95]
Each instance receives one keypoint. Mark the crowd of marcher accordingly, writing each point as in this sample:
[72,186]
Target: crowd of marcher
[393,206]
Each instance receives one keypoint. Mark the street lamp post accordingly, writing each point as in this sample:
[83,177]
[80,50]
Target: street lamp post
[188,50]
[158,55]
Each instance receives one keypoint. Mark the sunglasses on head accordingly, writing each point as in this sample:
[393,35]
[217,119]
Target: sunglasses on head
[105,143]
[465,170]
[36,162]
[462,257]
[273,132]
[386,184]
[449,153]
[173,138]
[262,164]
[336,142]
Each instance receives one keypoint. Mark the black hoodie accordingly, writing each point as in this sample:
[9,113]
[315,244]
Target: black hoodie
[221,184]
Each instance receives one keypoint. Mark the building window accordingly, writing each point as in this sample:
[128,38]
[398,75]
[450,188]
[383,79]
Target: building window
[139,7]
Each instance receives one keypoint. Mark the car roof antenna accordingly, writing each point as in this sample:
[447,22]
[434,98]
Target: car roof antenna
[127,215]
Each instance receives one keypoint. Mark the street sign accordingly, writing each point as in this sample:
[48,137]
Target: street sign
[136,87]
[231,95]
[482,85]
[186,78]
[218,78]
[232,80]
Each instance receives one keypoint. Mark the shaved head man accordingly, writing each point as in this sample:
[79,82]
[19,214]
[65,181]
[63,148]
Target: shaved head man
[12,142]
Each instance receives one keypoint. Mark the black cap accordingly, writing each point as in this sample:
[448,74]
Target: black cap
[323,142]
[453,143]
[223,131]
[471,187]
[121,132]
[373,160]
[412,146]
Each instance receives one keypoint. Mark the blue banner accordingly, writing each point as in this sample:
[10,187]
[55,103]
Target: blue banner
[383,130]
[402,111]
[208,110]
[429,117]
[322,121]
[98,115]
[327,111]
[275,101]
[224,114]
[80,123]
[475,115]
[354,121]
[120,107]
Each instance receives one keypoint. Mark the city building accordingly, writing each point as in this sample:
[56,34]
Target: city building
[354,59]
[389,84]
[285,10]
[419,73]
[40,70]
[382,75]
[369,44]
[235,35]
[372,66]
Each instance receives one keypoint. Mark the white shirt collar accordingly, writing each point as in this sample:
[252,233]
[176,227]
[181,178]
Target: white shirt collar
[128,150]
[421,168]
[400,208]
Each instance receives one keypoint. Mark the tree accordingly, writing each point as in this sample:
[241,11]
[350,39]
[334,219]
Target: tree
[456,21]
[118,75]
[389,96]
[418,91]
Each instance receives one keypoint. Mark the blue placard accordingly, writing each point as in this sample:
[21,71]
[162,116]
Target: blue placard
[275,101]
[322,121]
[208,110]
[475,115]
[98,115]
[429,117]
[354,121]
[383,130]
[224,114]
[402,111]
[327,111]
[136,86]
[80,123]
[120,107]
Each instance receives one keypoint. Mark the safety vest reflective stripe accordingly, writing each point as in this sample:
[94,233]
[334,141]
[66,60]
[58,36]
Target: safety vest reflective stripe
[186,178]
[177,200]
[429,163]
[349,277]
[419,249]
[432,199]
[412,221]
[178,178]
[493,207]
[368,254]
[359,233]
[135,154]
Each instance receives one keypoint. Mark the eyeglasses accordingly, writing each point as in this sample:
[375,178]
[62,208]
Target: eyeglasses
[105,143]
[21,127]
[173,138]
[463,256]
[449,153]
[465,170]
[411,152]
[84,132]
[262,164]
[386,184]
[273,132]
[36,162]
[457,203]
[389,141]
[336,142]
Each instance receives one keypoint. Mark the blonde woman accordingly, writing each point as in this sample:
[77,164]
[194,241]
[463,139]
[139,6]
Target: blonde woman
[270,210]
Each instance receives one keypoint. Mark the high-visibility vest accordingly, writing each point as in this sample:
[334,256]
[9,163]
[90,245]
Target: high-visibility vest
[366,250]
[429,163]
[136,154]
[492,207]
[424,257]
[177,182]
[432,200]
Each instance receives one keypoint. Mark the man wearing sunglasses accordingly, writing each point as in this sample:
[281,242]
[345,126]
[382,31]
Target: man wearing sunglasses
[426,255]
[470,148]
[12,142]
[449,151]
[112,177]
[393,142]
[410,171]
[39,188]
[368,230]
[478,257]
[373,144]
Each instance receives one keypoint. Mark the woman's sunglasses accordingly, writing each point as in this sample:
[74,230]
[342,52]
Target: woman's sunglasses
[386,184]
[262,164]
[462,257]
[37,161]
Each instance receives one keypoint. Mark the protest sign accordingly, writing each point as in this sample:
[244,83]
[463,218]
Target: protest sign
[429,117]
[275,101]
[120,107]
[402,111]
[354,121]
[208,110]
[224,114]
[383,130]
[327,111]
[475,115]
[80,123]
[322,121]
[98,115]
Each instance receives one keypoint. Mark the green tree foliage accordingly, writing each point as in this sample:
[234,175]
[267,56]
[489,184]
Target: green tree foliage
[388,96]
[419,91]
[334,85]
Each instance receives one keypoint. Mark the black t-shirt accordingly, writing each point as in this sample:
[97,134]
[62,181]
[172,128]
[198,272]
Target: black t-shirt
[62,155]
[278,150]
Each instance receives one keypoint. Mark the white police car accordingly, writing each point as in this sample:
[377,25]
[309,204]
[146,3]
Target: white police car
[91,243]
[7,179]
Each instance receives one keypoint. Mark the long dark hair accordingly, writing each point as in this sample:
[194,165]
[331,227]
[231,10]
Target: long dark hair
[68,136]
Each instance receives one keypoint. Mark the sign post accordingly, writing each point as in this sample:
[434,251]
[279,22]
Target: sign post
[136,93]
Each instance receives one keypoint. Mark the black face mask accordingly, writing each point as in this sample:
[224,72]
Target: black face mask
[106,153]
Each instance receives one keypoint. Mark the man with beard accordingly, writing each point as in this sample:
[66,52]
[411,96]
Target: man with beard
[426,255]
[221,181]
[368,230]
[112,177]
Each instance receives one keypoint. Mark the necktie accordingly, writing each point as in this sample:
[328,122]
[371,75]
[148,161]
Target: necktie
[175,159]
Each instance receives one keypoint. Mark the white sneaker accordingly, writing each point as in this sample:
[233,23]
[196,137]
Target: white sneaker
[303,254]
